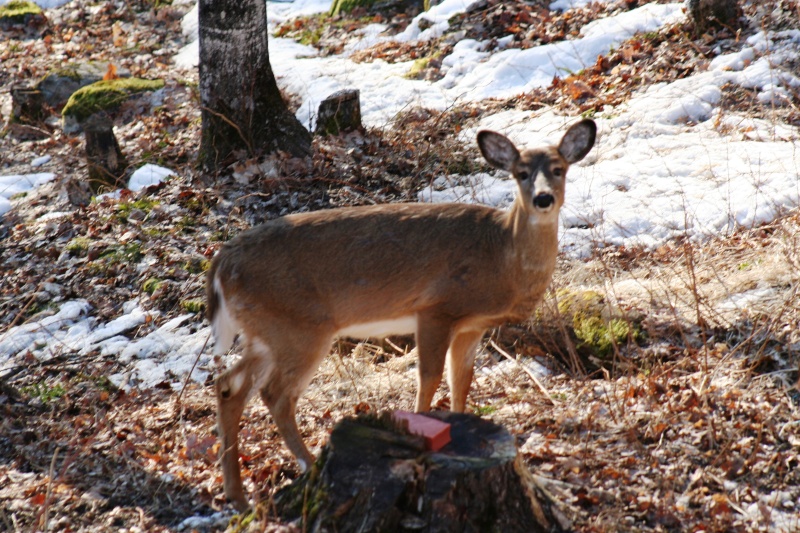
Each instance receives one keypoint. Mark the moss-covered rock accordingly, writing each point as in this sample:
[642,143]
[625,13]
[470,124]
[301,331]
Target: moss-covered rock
[105,95]
[59,84]
[18,12]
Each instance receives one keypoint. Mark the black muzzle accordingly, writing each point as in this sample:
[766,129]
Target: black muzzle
[543,200]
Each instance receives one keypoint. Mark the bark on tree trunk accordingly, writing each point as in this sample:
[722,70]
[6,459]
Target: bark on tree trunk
[243,114]
[372,477]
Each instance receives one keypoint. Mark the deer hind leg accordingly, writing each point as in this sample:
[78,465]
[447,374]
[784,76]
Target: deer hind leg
[234,389]
[285,386]
[460,362]
[433,338]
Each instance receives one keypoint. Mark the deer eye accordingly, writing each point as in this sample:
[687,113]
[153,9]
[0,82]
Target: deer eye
[522,176]
[558,171]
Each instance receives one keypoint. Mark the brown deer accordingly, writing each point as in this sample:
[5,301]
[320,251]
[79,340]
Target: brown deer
[445,272]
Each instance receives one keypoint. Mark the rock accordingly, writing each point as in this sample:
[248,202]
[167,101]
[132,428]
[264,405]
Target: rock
[339,112]
[59,84]
[105,96]
[20,13]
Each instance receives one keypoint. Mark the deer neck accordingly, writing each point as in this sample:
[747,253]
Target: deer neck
[535,238]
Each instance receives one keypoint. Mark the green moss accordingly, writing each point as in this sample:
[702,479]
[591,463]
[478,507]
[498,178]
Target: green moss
[219,236]
[106,95]
[195,305]
[305,30]
[44,392]
[155,232]
[417,68]
[484,410]
[19,9]
[572,302]
[124,208]
[196,265]
[421,64]
[129,253]
[78,245]
[601,335]
[596,326]
[240,523]
[151,285]
[186,223]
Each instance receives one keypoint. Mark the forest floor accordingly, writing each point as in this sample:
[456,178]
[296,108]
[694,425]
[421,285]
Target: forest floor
[690,423]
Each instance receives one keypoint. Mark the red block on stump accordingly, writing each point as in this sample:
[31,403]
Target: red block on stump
[435,432]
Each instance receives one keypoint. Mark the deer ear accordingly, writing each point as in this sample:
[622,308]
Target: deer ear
[578,140]
[497,150]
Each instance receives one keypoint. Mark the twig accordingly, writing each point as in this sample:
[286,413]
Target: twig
[63,359]
[189,375]
[396,347]
[46,510]
[508,356]
[231,124]
[22,311]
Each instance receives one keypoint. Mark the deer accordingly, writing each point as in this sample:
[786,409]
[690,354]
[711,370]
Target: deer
[445,272]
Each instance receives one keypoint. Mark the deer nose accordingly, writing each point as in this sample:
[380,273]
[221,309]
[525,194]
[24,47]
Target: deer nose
[543,200]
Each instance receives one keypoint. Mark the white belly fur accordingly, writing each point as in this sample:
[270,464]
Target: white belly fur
[404,325]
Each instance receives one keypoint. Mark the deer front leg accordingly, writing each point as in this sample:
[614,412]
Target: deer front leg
[282,407]
[461,359]
[233,391]
[433,338]
[297,353]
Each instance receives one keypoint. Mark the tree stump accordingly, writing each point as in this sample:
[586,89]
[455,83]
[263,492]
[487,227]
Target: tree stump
[373,476]
[27,105]
[714,14]
[339,112]
[104,158]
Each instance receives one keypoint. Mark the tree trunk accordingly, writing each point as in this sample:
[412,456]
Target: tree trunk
[243,114]
[374,477]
